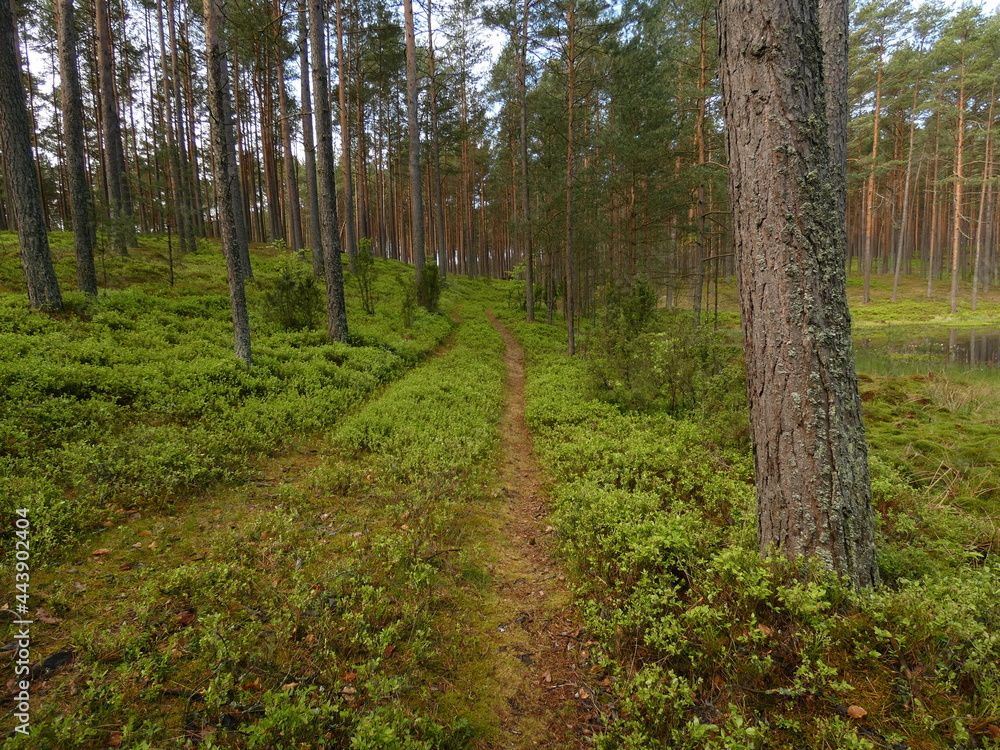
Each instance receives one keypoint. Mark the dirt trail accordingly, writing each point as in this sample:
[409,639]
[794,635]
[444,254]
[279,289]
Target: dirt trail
[538,641]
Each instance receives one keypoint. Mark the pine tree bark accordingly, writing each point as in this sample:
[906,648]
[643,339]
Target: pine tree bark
[413,127]
[22,189]
[813,486]
[226,178]
[336,311]
[76,168]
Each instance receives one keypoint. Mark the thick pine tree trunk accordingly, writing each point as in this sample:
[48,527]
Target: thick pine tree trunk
[226,178]
[813,486]
[336,311]
[21,188]
[76,168]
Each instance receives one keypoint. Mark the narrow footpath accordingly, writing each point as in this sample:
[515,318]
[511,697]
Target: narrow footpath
[536,638]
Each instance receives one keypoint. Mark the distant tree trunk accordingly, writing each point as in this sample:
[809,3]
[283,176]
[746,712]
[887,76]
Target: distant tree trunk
[984,199]
[522,97]
[698,278]
[291,178]
[905,211]
[413,127]
[350,223]
[226,178]
[21,188]
[185,186]
[932,245]
[121,210]
[569,300]
[312,193]
[441,253]
[76,168]
[867,249]
[336,310]
[813,486]
[242,245]
[173,157]
[959,175]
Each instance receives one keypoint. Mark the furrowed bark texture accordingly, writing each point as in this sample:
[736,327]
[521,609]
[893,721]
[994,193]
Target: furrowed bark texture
[22,188]
[813,486]
[226,178]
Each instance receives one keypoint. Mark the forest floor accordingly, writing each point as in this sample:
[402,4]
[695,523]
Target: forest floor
[136,612]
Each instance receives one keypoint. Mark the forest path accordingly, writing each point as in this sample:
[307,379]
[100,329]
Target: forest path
[536,639]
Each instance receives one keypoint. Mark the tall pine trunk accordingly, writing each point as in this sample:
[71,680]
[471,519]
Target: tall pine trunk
[123,229]
[336,311]
[569,270]
[76,168]
[413,128]
[522,96]
[309,147]
[22,189]
[291,179]
[350,223]
[812,480]
[226,178]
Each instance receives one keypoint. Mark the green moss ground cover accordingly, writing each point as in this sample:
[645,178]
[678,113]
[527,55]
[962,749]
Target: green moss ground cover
[715,648]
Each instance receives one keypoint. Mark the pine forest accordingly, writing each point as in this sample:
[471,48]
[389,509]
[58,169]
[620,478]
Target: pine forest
[480,374]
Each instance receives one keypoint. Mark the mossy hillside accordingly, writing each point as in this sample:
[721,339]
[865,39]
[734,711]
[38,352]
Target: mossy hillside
[134,399]
[303,610]
[714,647]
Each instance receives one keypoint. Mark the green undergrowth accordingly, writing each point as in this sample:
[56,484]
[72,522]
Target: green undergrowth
[714,647]
[134,399]
[295,612]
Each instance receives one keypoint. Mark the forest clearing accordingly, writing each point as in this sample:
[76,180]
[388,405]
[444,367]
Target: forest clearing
[499,374]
